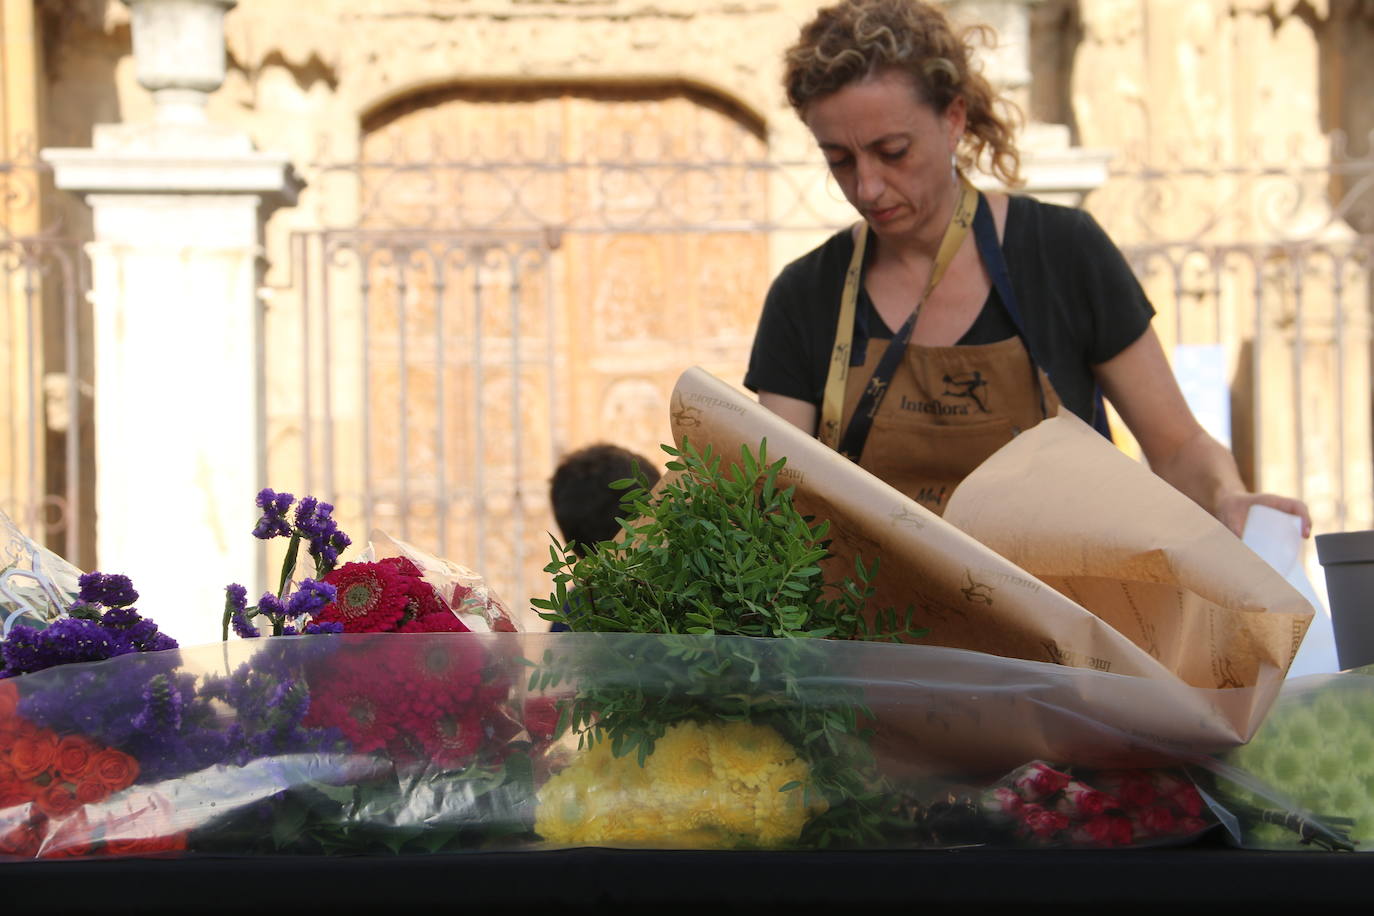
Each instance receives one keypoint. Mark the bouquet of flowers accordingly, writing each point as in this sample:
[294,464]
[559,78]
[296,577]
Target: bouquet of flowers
[334,735]
[1040,805]
[1306,780]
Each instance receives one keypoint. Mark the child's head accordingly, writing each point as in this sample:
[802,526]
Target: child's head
[584,505]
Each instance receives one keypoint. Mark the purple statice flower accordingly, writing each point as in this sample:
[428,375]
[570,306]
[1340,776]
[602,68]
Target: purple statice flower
[162,703]
[274,508]
[242,628]
[324,626]
[112,590]
[315,523]
[121,618]
[236,605]
[272,607]
[309,598]
[64,641]
[144,636]
[141,633]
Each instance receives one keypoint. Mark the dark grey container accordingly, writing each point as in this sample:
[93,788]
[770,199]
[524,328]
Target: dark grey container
[1347,559]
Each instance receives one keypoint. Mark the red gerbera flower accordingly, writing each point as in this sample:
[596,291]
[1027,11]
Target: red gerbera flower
[369,597]
[438,622]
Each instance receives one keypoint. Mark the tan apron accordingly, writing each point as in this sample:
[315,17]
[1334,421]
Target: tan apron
[943,410]
[947,409]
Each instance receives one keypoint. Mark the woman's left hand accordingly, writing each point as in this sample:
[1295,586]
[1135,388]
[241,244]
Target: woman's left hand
[1234,508]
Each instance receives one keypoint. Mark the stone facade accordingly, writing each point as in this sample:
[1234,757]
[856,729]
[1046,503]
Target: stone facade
[1216,114]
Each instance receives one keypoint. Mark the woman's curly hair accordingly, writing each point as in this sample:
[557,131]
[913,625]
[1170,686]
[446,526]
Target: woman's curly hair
[855,39]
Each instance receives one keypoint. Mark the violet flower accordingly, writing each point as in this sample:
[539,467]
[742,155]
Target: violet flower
[236,605]
[274,508]
[309,597]
[314,522]
[111,590]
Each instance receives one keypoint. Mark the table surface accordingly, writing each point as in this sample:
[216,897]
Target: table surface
[1205,875]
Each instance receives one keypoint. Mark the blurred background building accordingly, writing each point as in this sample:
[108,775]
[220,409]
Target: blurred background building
[404,254]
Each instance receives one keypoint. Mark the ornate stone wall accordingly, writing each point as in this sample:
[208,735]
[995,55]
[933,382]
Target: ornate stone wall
[1196,99]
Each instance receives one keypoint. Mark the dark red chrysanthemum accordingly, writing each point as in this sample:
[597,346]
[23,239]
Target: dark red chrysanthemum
[369,597]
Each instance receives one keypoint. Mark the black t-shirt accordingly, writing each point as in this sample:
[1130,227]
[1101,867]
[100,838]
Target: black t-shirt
[1080,303]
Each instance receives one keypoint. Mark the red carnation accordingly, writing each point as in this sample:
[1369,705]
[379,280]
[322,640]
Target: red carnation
[369,597]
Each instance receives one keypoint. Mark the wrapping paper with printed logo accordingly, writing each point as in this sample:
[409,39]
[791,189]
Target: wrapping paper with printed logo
[1058,549]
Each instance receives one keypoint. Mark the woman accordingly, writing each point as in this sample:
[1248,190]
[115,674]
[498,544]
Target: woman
[947,321]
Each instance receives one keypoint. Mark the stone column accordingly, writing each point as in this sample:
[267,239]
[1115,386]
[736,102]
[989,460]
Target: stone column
[1053,168]
[178,207]
[21,300]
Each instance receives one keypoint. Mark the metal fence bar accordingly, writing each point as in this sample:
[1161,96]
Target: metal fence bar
[479,500]
[401,260]
[440,405]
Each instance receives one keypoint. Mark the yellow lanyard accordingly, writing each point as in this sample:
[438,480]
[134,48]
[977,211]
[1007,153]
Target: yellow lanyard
[837,378]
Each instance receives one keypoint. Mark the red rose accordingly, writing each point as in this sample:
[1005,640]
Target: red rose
[1188,826]
[1158,820]
[74,755]
[57,799]
[1138,790]
[91,791]
[113,769]
[23,840]
[1122,831]
[1083,801]
[71,839]
[14,793]
[1096,831]
[541,717]
[1188,799]
[33,753]
[9,699]
[1042,823]
[146,845]
[1036,781]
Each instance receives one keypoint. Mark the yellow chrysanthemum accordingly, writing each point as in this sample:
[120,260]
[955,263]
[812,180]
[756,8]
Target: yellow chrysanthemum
[704,786]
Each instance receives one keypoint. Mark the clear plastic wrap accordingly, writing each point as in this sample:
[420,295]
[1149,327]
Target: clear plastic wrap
[1306,780]
[418,743]
[35,584]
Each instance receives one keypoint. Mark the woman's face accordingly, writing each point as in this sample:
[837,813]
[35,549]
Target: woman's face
[889,151]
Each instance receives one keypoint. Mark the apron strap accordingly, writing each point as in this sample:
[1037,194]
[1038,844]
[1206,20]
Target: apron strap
[985,234]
